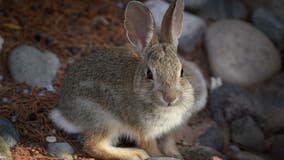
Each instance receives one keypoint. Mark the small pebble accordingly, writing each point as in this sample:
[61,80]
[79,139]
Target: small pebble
[51,139]
[99,21]
[50,88]
[14,119]
[119,5]
[71,60]
[61,150]
[73,51]
[5,100]
[26,91]
[42,94]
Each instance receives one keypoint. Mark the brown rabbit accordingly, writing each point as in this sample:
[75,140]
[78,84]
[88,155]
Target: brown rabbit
[142,92]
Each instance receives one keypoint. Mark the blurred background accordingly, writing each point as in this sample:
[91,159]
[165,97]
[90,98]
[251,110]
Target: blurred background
[238,45]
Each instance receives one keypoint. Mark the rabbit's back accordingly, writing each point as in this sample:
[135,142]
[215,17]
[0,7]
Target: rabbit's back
[112,67]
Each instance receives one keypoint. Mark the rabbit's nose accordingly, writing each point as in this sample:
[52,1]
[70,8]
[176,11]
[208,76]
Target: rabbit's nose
[169,99]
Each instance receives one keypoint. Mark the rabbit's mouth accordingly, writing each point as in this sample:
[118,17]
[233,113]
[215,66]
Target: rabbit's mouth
[163,103]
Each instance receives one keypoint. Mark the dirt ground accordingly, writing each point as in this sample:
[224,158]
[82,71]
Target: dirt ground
[70,29]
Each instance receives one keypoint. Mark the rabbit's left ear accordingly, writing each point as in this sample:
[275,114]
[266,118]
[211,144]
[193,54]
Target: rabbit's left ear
[140,26]
[172,23]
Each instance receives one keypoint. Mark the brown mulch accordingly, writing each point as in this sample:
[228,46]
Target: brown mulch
[70,29]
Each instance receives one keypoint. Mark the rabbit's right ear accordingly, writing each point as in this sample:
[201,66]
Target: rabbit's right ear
[140,26]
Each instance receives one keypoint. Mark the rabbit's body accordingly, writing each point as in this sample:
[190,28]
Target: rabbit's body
[143,92]
[102,97]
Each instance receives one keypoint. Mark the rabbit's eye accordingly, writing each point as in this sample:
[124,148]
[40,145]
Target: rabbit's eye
[149,74]
[181,72]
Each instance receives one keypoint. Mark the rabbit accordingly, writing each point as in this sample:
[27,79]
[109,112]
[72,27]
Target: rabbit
[140,91]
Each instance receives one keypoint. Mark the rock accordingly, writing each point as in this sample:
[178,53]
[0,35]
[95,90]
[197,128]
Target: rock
[245,132]
[162,158]
[223,9]
[248,156]
[230,102]
[276,6]
[193,4]
[50,139]
[8,133]
[240,54]
[60,149]
[276,148]
[1,43]
[236,153]
[5,153]
[50,88]
[33,66]
[274,120]
[201,153]
[213,137]
[271,98]
[119,5]
[272,26]
[193,26]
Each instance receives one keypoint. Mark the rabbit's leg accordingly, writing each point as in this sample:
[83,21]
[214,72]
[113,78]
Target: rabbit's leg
[168,146]
[151,146]
[100,146]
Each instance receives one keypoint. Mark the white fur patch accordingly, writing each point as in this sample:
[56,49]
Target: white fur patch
[63,123]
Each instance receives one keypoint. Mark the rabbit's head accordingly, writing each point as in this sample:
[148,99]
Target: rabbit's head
[160,79]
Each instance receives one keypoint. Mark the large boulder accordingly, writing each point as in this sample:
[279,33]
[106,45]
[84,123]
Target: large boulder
[240,54]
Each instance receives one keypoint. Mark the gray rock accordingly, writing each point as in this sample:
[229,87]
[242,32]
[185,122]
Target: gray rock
[8,133]
[272,26]
[274,120]
[213,137]
[201,153]
[60,149]
[248,156]
[276,148]
[230,102]
[33,66]
[245,132]
[276,6]
[1,43]
[193,26]
[162,158]
[223,9]
[240,54]
[193,4]
[4,150]
[236,153]
[270,96]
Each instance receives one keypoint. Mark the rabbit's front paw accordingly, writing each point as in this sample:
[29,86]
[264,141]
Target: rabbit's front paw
[138,154]
[173,153]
